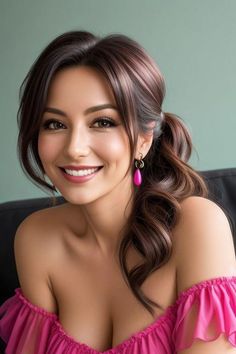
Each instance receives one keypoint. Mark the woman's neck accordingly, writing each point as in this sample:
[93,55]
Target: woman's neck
[106,218]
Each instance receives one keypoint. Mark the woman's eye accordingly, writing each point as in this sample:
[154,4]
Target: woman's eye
[52,125]
[104,123]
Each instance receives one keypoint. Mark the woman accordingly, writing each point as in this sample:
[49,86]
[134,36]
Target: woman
[138,259]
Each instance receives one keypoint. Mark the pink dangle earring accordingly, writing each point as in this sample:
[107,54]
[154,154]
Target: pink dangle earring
[137,174]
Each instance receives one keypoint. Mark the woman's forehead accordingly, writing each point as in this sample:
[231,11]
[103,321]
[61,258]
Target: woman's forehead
[81,84]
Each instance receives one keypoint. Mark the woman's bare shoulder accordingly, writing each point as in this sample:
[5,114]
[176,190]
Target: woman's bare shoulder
[43,219]
[195,214]
[37,248]
[41,232]
[203,242]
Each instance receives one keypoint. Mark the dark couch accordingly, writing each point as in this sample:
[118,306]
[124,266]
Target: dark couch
[221,183]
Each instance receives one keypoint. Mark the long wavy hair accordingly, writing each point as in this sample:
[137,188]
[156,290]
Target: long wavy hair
[139,89]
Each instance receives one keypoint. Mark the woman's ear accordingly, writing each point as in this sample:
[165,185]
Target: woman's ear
[145,142]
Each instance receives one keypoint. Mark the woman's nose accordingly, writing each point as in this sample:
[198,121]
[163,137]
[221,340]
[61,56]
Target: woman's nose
[77,145]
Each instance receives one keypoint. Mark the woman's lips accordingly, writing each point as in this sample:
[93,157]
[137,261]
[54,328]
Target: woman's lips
[79,167]
[79,179]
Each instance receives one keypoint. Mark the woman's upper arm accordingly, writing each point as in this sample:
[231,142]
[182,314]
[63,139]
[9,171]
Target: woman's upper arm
[204,249]
[32,255]
[218,346]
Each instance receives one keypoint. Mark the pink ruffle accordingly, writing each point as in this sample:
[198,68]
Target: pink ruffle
[153,339]
[27,328]
[205,311]
[23,326]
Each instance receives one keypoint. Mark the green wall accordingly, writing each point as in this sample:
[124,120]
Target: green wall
[192,41]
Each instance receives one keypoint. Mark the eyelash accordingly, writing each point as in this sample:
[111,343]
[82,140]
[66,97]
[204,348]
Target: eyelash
[47,123]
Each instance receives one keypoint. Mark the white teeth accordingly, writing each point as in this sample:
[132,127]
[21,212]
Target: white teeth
[81,172]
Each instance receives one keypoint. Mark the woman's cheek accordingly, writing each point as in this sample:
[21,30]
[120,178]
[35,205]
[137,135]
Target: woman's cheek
[46,148]
[115,146]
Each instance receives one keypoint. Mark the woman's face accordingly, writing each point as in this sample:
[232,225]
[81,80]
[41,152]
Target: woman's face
[76,131]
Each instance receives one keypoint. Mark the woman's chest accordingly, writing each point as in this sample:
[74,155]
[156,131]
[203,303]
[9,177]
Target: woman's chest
[96,306]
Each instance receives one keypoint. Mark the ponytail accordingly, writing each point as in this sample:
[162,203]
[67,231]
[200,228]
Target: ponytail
[167,180]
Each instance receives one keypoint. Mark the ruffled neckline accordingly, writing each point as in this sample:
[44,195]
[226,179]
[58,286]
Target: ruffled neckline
[168,315]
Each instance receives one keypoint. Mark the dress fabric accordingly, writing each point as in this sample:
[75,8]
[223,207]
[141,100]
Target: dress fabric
[204,311]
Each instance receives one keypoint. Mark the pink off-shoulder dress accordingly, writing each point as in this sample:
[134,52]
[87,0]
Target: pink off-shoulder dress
[204,311]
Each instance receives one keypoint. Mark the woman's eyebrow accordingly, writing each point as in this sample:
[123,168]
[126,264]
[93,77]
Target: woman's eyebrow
[87,111]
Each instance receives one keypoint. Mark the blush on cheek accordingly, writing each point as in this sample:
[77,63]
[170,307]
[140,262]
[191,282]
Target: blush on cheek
[115,151]
[116,147]
[46,149]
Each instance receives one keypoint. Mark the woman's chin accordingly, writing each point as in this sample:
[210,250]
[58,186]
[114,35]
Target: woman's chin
[78,198]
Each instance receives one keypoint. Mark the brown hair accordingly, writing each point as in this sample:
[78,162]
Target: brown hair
[139,90]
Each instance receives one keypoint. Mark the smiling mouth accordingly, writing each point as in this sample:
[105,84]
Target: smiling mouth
[82,172]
